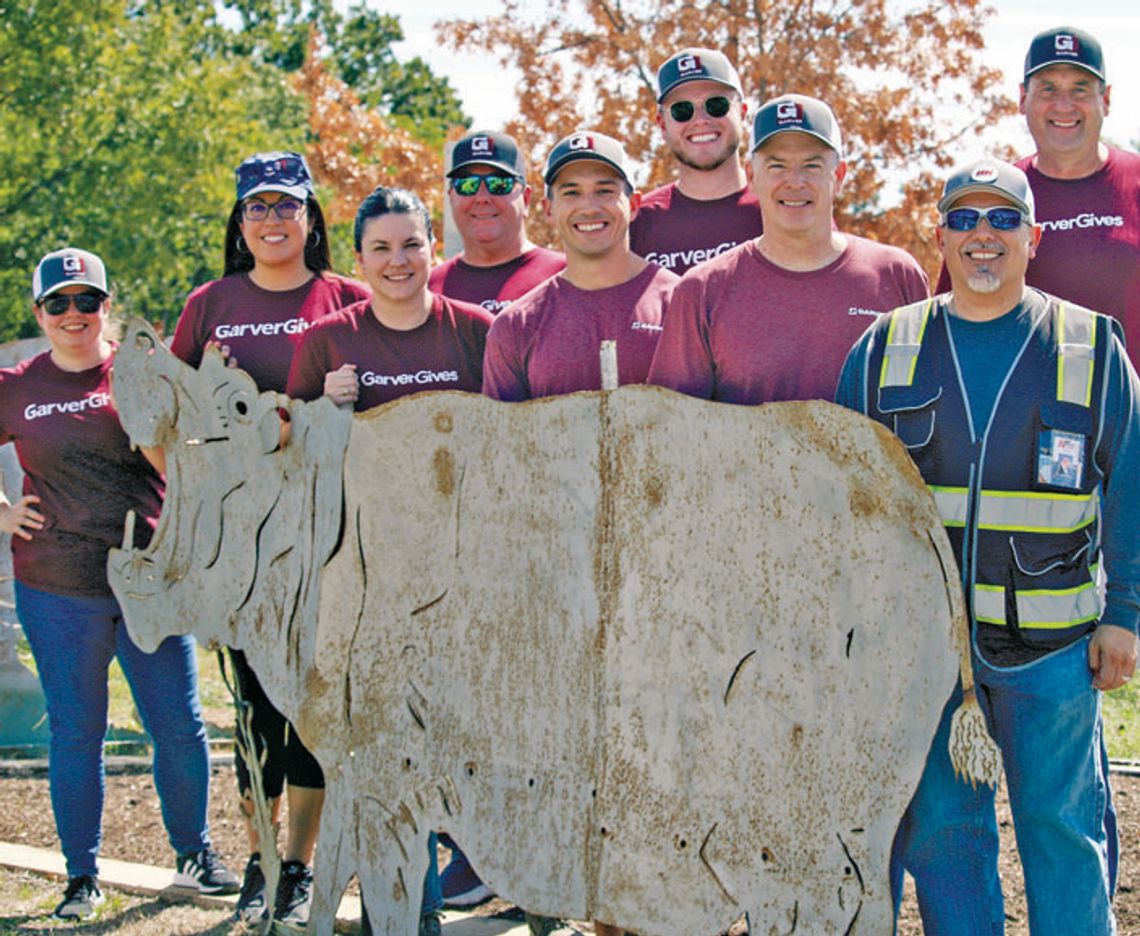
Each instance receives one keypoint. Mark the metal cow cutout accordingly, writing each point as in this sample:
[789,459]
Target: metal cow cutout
[650,660]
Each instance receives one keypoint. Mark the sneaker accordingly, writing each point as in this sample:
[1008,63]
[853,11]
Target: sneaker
[204,872]
[461,886]
[80,899]
[251,900]
[294,894]
[431,924]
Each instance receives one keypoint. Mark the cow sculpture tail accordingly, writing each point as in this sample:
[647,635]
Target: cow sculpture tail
[974,755]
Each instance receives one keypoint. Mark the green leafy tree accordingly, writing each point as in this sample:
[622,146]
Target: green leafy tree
[120,127]
[358,50]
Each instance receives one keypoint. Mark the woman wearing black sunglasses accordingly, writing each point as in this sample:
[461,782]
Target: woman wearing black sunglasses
[277,282]
[81,479]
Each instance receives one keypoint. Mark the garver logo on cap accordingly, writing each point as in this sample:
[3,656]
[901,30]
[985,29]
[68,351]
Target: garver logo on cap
[984,174]
[74,266]
[482,145]
[789,112]
[581,141]
[688,63]
[1065,44]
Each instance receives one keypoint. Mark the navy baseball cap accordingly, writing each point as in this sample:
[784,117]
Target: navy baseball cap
[284,172]
[586,144]
[68,267]
[486,148]
[1064,46]
[696,65]
[800,113]
[989,175]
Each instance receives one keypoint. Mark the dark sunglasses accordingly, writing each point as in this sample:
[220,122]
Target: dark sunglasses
[286,209]
[683,111]
[85,302]
[496,184]
[999,218]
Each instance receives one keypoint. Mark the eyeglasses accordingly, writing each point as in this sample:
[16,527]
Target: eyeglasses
[85,302]
[496,184]
[254,209]
[999,217]
[683,111]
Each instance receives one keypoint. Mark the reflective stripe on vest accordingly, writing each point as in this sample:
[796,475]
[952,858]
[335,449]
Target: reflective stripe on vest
[904,341]
[1076,346]
[1041,608]
[1017,511]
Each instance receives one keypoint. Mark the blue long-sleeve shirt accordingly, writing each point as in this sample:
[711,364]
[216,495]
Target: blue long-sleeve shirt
[985,351]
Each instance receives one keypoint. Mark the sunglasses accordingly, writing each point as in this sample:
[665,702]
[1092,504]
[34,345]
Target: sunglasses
[496,184]
[999,218]
[86,302]
[286,209]
[683,111]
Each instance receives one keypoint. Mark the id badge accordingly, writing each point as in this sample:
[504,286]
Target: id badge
[1061,459]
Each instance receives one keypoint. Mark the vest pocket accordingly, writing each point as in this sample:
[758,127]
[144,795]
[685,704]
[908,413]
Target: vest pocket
[912,413]
[1054,594]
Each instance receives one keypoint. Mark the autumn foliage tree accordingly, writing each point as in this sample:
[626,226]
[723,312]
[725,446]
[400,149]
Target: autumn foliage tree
[907,82]
[353,148]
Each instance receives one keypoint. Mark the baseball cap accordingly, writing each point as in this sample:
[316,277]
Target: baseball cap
[1067,46]
[282,171]
[989,175]
[586,144]
[696,65]
[796,112]
[68,267]
[486,148]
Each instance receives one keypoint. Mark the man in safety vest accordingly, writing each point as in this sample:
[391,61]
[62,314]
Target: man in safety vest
[1022,412]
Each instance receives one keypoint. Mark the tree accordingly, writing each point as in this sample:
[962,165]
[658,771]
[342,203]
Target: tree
[353,148]
[120,127]
[357,49]
[907,83]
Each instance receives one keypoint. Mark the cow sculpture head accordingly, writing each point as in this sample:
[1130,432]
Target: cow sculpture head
[199,561]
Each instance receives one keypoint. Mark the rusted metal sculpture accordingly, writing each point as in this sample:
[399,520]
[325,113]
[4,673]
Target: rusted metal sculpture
[651,660]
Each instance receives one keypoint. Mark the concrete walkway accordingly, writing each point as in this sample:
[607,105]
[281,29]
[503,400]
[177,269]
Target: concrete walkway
[149,881]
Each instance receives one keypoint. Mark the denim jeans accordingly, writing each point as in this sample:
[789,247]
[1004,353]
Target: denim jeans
[1046,718]
[948,841]
[73,641]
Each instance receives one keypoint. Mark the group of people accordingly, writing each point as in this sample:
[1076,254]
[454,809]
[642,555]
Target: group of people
[1011,388]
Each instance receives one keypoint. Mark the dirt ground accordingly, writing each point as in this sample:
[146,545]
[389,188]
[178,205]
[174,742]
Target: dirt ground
[133,832]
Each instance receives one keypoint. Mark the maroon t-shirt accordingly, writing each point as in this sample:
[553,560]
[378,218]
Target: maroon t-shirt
[548,342]
[494,287]
[78,460]
[743,330]
[444,353]
[1090,247]
[678,232]
[262,328]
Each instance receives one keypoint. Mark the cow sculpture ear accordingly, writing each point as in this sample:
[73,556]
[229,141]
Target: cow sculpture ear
[269,430]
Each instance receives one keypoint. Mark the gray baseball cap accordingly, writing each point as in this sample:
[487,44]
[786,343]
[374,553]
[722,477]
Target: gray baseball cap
[68,267]
[988,175]
[1064,46]
[800,113]
[586,144]
[696,65]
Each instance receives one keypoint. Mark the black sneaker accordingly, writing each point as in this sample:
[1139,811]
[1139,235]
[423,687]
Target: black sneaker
[294,894]
[80,900]
[251,901]
[204,872]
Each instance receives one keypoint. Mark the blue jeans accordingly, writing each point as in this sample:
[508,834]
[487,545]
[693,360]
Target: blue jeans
[73,641]
[948,841]
[1046,718]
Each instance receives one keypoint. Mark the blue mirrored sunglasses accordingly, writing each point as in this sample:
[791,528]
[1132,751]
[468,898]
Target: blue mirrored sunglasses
[999,217]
